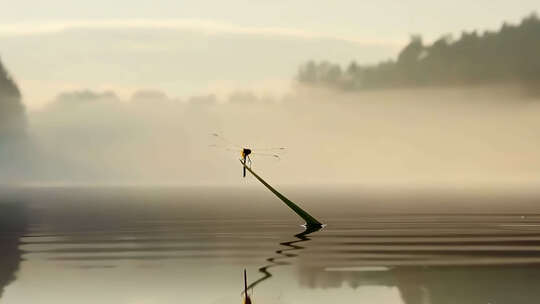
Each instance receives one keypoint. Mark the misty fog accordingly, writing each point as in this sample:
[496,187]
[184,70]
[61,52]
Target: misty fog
[453,136]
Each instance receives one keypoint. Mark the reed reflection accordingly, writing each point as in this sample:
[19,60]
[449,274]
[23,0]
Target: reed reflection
[282,255]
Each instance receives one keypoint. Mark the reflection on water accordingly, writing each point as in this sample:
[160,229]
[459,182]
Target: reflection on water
[284,254]
[12,225]
[177,246]
[433,258]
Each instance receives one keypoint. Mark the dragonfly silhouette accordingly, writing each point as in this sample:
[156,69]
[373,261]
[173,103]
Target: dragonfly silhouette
[246,151]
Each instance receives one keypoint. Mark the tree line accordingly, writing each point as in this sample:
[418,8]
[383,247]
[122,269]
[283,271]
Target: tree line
[508,55]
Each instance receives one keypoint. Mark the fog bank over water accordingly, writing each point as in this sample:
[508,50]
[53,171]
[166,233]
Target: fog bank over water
[436,136]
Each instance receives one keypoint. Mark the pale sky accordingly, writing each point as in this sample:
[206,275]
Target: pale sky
[199,47]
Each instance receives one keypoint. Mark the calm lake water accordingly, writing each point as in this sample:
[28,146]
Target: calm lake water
[190,245]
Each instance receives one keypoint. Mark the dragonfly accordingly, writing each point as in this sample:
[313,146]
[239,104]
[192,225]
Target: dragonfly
[246,151]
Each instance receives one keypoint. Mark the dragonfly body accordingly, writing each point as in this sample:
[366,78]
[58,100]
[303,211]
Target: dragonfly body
[245,152]
[245,156]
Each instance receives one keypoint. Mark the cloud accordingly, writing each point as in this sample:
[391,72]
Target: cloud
[199,25]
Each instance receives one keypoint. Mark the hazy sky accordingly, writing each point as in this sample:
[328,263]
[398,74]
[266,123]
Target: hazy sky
[195,47]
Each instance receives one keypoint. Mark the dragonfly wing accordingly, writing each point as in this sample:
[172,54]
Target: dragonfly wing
[273,155]
[221,144]
[272,150]
[221,141]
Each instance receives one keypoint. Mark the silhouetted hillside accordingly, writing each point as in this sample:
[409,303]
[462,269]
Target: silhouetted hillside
[12,116]
[14,145]
[510,55]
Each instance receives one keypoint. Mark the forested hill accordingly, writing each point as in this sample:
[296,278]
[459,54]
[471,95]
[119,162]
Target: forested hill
[511,54]
[12,116]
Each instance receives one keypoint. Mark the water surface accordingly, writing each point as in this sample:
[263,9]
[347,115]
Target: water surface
[182,245]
